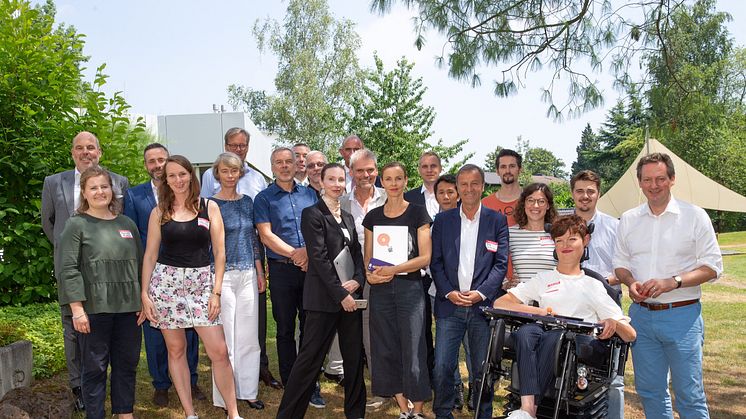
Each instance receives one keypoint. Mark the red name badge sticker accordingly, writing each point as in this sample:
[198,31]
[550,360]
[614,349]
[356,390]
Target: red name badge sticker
[553,287]
[126,234]
[546,241]
[203,222]
[491,246]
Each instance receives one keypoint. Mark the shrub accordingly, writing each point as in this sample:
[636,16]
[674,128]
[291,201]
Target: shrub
[40,324]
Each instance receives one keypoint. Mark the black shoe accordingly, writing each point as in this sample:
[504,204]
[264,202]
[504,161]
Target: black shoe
[78,405]
[197,394]
[470,401]
[160,398]
[337,378]
[459,404]
[265,375]
[258,404]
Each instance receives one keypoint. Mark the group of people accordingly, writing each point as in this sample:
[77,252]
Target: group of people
[186,260]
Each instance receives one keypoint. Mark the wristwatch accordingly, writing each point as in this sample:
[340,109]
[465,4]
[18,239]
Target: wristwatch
[678,280]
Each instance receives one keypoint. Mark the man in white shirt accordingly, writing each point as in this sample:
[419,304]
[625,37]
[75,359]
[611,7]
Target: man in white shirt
[350,145]
[364,197]
[430,169]
[301,151]
[665,250]
[585,187]
[252,182]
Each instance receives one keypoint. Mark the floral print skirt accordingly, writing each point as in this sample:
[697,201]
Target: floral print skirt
[180,296]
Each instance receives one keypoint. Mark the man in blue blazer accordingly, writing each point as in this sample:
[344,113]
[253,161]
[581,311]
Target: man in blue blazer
[138,203]
[469,261]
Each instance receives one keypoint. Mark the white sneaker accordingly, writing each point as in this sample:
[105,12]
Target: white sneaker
[375,402]
[192,417]
[520,414]
[403,415]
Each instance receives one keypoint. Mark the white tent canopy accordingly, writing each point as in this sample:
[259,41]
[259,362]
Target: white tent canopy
[690,186]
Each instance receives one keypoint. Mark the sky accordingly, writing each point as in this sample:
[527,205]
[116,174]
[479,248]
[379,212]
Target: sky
[179,57]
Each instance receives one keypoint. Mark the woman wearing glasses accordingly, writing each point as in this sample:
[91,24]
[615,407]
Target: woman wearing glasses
[531,247]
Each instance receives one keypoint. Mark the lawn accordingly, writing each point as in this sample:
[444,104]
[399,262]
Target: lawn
[724,305]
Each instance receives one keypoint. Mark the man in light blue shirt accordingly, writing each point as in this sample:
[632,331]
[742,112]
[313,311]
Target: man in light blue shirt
[236,141]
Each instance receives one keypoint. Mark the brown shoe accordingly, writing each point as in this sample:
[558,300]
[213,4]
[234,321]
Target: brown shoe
[160,398]
[265,375]
[197,394]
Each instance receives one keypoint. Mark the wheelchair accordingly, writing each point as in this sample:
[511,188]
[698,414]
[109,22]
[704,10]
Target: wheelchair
[584,366]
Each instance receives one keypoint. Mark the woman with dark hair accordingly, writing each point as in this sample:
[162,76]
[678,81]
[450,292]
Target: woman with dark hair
[531,247]
[329,301]
[101,257]
[567,291]
[242,282]
[179,288]
[397,300]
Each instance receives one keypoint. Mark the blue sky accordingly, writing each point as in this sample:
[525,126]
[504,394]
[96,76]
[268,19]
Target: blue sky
[176,57]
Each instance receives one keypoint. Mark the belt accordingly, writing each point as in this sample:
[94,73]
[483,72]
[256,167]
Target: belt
[657,307]
[283,260]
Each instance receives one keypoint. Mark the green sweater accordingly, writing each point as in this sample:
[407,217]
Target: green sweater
[101,264]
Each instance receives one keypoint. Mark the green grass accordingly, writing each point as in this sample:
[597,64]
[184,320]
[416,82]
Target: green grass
[724,309]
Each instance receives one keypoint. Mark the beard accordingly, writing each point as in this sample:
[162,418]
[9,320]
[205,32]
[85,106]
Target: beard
[507,179]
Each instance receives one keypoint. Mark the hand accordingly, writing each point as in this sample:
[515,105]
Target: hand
[80,322]
[635,292]
[385,271]
[299,257]
[458,299]
[149,309]
[652,288]
[348,304]
[351,286]
[376,278]
[141,317]
[261,282]
[609,326]
[472,296]
[613,280]
[213,307]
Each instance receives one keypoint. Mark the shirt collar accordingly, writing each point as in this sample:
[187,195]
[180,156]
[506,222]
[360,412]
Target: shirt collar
[278,189]
[465,218]
[673,207]
[376,193]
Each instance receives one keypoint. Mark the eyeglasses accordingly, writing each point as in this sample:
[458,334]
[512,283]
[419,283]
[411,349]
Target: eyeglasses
[532,202]
[312,165]
[237,146]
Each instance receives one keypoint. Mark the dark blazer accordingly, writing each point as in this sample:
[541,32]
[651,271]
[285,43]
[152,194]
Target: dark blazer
[324,239]
[415,196]
[489,267]
[138,204]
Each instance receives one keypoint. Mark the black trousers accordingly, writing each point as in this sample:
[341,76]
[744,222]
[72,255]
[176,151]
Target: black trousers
[320,328]
[263,359]
[286,292]
[426,281]
[115,340]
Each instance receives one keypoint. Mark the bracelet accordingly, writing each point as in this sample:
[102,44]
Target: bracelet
[80,317]
[217,293]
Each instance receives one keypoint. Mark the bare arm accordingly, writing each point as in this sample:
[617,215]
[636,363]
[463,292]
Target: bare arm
[149,260]
[511,302]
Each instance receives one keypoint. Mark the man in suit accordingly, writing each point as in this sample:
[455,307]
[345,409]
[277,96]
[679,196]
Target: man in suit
[470,257]
[60,198]
[138,204]
[430,168]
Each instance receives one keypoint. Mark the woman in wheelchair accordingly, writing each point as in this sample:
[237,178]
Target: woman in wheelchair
[565,291]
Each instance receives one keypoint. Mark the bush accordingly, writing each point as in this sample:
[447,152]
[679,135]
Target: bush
[40,324]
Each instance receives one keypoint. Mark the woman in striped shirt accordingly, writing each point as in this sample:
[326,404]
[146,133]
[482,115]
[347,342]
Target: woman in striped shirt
[531,247]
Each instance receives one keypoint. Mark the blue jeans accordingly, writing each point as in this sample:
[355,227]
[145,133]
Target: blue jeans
[616,398]
[449,332]
[157,355]
[669,341]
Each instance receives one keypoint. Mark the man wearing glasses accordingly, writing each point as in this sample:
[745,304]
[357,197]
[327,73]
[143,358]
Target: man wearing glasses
[236,141]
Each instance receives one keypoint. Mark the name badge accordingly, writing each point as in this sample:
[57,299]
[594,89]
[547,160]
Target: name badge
[203,222]
[491,246]
[546,241]
[126,234]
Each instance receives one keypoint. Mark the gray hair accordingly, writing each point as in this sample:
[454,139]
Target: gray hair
[278,150]
[230,160]
[363,154]
[314,153]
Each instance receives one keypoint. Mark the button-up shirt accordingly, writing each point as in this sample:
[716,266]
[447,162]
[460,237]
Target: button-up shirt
[430,202]
[76,191]
[251,183]
[155,191]
[601,246]
[351,204]
[468,249]
[282,209]
[677,241]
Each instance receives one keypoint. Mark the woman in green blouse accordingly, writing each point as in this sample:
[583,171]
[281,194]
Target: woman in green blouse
[99,285]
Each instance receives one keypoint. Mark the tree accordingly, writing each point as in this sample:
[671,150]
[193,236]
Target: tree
[491,160]
[587,150]
[391,119]
[519,37]
[43,104]
[253,102]
[540,161]
[317,76]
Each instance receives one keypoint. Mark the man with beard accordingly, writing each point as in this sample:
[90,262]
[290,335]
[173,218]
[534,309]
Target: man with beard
[315,161]
[586,189]
[138,204]
[301,151]
[60,198]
